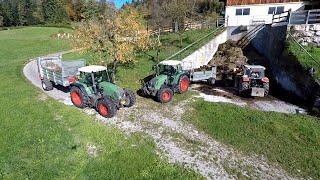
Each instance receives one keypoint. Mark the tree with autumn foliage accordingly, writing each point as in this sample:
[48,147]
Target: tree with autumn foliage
[114,37]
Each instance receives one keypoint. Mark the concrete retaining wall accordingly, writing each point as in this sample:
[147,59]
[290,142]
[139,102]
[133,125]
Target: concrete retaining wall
[203,55]
[284,69]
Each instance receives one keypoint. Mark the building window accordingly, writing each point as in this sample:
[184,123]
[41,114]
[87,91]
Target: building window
[276,10]
[243,12]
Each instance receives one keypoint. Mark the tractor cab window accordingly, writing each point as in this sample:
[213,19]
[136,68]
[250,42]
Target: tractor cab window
[255,75]
[166,69]
[101,76]
[85,78]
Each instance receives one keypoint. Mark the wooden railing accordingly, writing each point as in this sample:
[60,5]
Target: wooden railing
[305,17]
[190,26]
[297,17]
[281,18]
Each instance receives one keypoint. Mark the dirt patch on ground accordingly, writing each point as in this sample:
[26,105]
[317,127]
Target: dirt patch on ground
[228,95]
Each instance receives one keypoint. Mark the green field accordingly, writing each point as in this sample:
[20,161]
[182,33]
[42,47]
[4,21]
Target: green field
[292,141]
[43,139]
[305,60]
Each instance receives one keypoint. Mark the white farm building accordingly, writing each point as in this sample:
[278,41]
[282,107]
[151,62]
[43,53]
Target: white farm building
[250,12]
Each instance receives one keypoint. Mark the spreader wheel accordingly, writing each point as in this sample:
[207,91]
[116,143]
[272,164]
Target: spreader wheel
[78,98]
[106,108]
[46,85]
[184,83]
[211,81]
[165,95]
[130,98]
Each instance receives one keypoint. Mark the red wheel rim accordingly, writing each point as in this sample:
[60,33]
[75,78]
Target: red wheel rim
[103,110]
[166,96]
[184,85]
[76,99]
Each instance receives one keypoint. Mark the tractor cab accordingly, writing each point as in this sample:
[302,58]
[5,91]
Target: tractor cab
[254,71]
[95,74]
[169,68]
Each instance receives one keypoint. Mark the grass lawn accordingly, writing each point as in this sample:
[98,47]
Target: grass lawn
[292,141]
[43,139]
[304,58]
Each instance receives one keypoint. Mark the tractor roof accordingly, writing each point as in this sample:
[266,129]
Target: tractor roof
[93,68]
[255,67]
[170,62]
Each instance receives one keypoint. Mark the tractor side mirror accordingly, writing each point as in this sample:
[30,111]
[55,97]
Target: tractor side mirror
[154,67]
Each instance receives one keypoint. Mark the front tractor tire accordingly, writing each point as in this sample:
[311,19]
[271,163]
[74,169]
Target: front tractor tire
[266,89]
[165,95]
[130,98]
[106,108]
[184,83]
[78,98]
[46,85]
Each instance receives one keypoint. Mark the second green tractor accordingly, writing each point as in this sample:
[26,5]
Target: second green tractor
[168,78]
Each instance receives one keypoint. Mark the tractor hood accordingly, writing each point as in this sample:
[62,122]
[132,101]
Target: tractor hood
[158,81]
[111,90]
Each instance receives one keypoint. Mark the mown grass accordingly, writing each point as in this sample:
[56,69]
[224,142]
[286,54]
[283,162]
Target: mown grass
[305,60]
[292,141]
[44,139]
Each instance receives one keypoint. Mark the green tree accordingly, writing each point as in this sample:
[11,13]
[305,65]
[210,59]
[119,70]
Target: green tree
[91,10]
[79,9]
[54,11]
[1,21]
[115,37]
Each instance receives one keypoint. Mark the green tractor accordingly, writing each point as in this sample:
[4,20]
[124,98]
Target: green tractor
[167,79]
[96,89]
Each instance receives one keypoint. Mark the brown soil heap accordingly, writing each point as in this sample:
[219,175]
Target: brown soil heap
[228,57]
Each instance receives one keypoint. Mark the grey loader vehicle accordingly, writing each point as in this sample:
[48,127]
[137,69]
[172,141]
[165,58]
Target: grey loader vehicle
[251,80]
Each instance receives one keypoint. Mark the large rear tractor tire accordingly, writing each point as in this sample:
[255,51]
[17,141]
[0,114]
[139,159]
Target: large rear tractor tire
[184,83]
[106,108]
[78,98]
[130,98]
[46,85]
[243,88]
[266,89]
[165,95]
